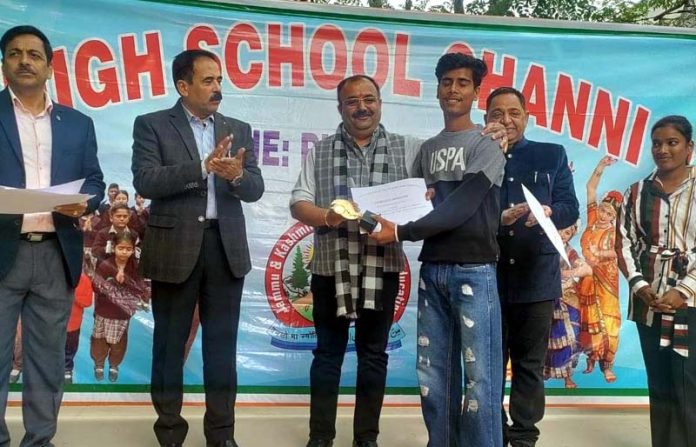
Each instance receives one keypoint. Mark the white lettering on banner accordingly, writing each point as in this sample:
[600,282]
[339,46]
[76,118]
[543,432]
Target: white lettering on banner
[447,159]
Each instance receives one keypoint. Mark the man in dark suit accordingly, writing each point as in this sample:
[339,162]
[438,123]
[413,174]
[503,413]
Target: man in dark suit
[529,274]
[41,144]
[196,246]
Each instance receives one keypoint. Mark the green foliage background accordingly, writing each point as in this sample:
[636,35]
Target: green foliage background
[681,13]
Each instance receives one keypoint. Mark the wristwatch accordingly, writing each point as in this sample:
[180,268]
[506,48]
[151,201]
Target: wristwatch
[238,180]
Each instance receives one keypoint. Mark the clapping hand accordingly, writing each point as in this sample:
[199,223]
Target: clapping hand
[229,168]
[532,220]
[510,215]
[221,150]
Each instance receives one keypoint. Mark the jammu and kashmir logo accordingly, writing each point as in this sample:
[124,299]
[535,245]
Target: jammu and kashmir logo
[290,298]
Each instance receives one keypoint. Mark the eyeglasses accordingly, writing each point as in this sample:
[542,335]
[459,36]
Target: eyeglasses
[354,102]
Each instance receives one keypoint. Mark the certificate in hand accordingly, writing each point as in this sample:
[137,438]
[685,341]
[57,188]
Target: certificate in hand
[546,224]
[400,202]
[23,201]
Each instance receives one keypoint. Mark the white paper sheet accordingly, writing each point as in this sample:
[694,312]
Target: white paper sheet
[65,188]
[400,202]
[24,201]
[546,224]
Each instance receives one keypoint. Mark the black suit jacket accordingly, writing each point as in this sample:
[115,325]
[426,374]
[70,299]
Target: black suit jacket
[73,156]
[529,267]
[167,170]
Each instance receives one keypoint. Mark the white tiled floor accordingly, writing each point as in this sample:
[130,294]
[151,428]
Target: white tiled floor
[131,426]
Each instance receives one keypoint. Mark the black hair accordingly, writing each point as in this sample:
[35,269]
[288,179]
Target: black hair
[453,61]
[182,66]
[123,236]
[124,192]
[118,206]
[506,91]
[21,30]
[354,78]
[113,186]
[678,122]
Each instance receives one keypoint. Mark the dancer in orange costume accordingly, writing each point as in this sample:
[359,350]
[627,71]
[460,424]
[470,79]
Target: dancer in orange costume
[600,316]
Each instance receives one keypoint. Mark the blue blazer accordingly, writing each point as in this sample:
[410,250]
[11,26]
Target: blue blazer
[73,156]
[529,266]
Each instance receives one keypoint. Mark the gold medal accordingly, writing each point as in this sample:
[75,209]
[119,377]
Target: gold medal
[345,209]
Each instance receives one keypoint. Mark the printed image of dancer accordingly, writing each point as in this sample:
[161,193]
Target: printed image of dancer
[564,344]
[600,315]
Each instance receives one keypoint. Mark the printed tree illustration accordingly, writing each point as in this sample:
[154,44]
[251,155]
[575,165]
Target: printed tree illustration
[300,276]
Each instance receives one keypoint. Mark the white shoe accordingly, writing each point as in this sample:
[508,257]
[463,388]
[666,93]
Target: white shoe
[113,374]
[14,375]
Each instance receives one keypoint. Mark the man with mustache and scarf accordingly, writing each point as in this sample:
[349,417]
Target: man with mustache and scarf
[352,277]
[196,166]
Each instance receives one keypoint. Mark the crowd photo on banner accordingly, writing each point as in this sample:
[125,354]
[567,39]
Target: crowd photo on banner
[532,255]
[110,282]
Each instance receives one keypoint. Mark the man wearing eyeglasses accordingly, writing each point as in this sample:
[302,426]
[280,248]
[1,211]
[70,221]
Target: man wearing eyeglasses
[352,277]
[528,308]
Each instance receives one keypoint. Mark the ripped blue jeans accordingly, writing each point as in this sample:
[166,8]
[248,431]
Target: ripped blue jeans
[459,324]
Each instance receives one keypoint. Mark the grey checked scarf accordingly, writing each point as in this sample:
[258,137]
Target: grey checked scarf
[360,261]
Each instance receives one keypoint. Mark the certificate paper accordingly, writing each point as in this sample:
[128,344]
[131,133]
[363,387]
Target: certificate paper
[400,202]
[546,224]
[24,201]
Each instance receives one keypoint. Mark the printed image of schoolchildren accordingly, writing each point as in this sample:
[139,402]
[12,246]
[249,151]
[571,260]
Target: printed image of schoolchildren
[120,217]
[87,224]
[16,371]
[140,214]
[83,299]
[118,288]
[195,324]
